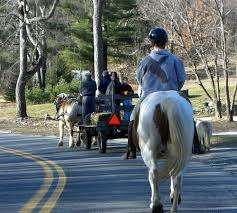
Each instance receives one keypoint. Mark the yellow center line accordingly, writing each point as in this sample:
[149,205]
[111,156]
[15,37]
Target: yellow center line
[50,203]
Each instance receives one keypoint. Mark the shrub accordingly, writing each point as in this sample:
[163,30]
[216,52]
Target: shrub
[9,94]
[36,95]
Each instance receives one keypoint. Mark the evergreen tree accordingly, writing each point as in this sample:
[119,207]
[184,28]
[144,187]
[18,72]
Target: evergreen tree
[119,29]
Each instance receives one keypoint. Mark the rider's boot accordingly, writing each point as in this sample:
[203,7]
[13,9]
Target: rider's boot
[131,149]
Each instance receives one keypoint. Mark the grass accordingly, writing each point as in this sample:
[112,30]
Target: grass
[36,111]
[197,97]
[220,140]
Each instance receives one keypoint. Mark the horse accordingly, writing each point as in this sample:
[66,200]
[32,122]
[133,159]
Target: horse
[69,113]
[164,129]
[204,132]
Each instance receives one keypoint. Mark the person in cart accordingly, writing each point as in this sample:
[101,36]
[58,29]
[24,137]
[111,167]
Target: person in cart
[160,70]
[104,82]
[87,91]
[126,90]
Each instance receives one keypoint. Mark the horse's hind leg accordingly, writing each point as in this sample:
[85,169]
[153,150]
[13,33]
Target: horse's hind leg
[155,205]
[150,161]
[61,125]
[175,190]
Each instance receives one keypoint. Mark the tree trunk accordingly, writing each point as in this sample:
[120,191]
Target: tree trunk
[21,81]
[225,63]
[218,104]
[43,69]
[98,39]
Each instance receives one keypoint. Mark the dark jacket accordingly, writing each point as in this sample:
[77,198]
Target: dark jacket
[87,87]
[104,82]
[126,89]
[114,87]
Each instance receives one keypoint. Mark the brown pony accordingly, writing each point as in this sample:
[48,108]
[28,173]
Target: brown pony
[69,113]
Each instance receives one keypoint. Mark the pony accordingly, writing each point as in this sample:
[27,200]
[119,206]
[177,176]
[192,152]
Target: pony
[204,132]
[69,113]
[164,129]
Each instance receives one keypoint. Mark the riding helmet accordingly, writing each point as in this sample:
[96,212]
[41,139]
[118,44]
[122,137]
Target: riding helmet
[158,36]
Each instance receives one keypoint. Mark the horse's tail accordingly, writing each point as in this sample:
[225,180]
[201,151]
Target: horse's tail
[181,128]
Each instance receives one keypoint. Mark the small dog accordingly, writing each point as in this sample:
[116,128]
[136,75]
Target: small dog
[204,131]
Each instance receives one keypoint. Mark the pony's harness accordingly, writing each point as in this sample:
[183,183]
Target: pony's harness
[58,104]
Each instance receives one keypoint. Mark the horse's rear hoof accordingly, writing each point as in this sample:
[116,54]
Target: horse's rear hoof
[78,143]
[60,144]
[172,199]
[158,209]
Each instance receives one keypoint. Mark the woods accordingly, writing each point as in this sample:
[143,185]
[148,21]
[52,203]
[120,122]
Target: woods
[43,41]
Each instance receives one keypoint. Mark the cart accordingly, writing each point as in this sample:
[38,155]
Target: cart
[104,130]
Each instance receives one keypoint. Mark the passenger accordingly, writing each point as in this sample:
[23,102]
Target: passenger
[114,87]
[126,90]
[104,82]
[87,90]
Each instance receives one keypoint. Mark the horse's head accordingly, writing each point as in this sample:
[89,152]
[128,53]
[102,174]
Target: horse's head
[59,99]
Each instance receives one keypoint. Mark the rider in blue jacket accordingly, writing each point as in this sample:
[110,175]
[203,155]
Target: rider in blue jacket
[160,70]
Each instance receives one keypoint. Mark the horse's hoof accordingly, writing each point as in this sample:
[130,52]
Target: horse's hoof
[78,143]
[60,144]
[172,199]
[158,209]
[125,156]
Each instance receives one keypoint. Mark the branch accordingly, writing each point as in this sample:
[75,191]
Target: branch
[46,17]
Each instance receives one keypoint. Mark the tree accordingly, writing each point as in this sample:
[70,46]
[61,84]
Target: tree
[195,28]
[222,12]
[38,55]
[97,38]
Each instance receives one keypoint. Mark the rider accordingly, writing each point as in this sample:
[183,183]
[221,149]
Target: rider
[160,70]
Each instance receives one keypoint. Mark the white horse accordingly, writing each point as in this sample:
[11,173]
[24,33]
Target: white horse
[69,112]
[165,129]
[204,132]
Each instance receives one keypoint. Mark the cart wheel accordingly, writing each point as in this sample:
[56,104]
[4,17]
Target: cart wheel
[101,141]
[86,138]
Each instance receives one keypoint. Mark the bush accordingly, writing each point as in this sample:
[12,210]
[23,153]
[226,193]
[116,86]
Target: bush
[36,95]
[9,93]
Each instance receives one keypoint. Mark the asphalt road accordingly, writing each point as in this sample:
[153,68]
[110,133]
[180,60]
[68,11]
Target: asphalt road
[38,176]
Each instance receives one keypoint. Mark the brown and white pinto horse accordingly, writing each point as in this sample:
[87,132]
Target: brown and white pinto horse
[69,112]
[165,129]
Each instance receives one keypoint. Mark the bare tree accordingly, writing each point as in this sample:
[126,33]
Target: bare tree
[98,38]
[38,56]
[222,13]
[194,26]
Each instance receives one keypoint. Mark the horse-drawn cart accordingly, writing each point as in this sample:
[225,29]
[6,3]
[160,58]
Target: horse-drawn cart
[113,121]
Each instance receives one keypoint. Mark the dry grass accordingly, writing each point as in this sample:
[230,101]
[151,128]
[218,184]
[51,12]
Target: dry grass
[36,124]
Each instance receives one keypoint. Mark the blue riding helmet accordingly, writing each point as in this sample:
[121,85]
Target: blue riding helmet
[158,36]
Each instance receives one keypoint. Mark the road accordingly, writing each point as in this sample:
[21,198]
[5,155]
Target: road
[38,176]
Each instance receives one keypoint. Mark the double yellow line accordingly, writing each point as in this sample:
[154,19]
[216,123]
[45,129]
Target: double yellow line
[48,179]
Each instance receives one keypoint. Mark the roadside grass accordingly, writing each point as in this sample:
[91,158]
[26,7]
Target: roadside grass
[35,111]
[196,94]
[219,140]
